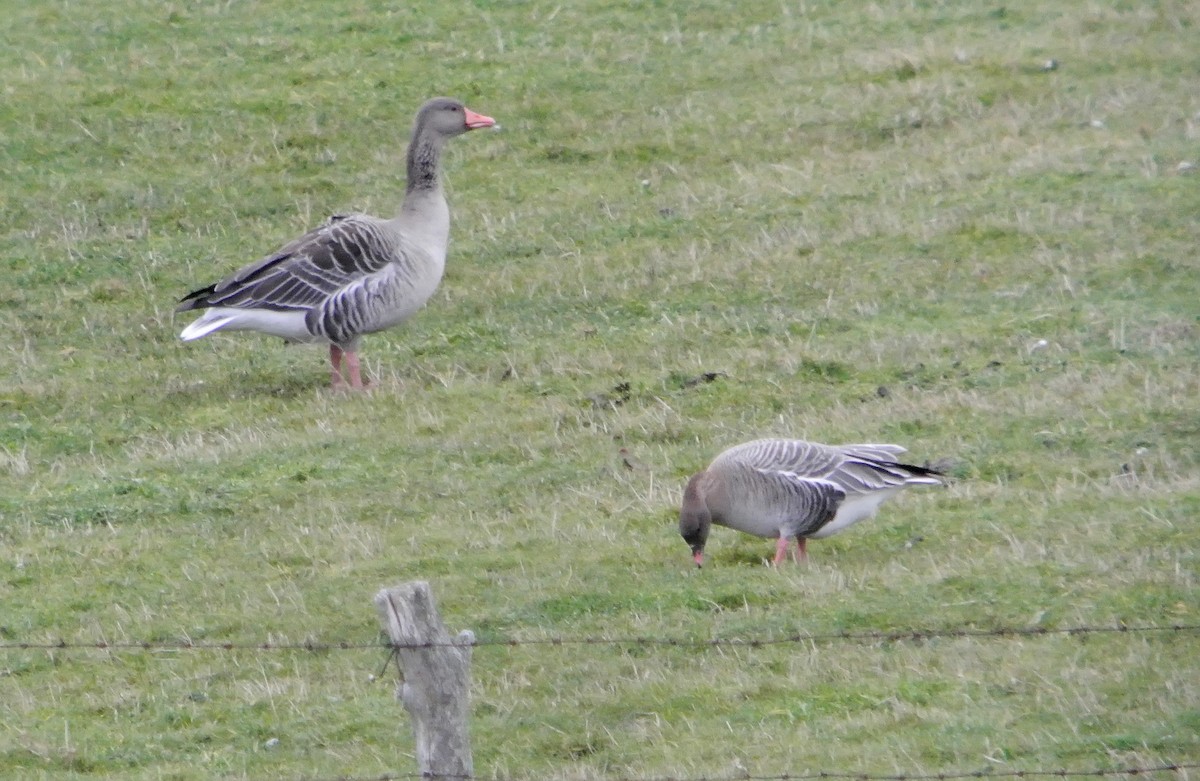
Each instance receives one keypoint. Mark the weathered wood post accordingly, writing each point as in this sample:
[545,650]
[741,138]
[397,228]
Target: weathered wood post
[437,678]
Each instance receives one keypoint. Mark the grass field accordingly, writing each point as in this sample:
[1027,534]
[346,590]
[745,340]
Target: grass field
[860,221]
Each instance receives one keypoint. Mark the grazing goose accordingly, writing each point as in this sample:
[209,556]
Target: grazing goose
[792,489]
[354,275]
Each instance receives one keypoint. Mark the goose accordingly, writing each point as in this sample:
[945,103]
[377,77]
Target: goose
[792,489]
[354,275]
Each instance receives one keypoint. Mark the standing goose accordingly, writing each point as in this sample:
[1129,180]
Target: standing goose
[354,275]
[792,489]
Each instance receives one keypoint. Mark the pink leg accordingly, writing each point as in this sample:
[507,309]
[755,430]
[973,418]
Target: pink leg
[802,550]
[335,361]
[353,369]
[781,550]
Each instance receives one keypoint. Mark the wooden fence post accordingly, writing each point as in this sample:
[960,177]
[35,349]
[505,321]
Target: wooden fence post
[437,678]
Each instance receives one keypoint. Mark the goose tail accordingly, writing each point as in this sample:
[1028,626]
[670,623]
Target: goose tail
[205,325]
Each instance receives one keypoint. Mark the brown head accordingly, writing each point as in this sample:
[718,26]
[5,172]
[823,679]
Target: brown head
[694,518]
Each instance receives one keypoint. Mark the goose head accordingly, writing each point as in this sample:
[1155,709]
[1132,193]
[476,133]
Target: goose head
[447,117]
[695,520]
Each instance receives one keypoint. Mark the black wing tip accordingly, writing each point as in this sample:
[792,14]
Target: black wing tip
[914,470]
[940,470]
[924,471]
[197,299]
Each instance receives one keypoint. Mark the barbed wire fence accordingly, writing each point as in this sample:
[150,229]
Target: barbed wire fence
[1116,772]
[800,638]
[435,669]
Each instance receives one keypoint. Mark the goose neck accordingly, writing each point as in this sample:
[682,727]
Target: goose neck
[424,159]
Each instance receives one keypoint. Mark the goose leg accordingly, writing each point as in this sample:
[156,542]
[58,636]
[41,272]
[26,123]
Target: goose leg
[352,369]
[781,550]
[335,361]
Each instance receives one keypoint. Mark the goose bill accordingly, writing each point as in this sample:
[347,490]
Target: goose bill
[477,120]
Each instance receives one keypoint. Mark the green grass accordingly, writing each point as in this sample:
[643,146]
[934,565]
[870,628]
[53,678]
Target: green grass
[869,222]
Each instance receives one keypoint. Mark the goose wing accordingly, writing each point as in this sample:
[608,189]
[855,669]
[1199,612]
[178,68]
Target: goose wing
[855,469]
[800,504]
[792,456]
[307,272]
[868,468]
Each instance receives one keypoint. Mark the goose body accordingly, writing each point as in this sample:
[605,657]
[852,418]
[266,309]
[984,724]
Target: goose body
[791,489]
[354,275]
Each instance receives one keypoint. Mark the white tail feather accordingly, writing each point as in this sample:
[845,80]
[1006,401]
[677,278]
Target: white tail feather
[204,325]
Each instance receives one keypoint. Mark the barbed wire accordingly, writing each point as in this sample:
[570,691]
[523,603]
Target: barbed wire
[864,637]
[1172,767]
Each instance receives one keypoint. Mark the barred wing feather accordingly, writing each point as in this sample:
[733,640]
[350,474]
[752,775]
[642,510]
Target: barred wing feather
[306,272]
